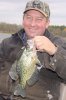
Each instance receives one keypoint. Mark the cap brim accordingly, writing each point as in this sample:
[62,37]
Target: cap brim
[36,10]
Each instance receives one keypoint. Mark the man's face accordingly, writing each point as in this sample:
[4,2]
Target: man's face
[34,23]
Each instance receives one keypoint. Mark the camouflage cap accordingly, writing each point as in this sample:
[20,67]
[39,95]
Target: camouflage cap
[39,6]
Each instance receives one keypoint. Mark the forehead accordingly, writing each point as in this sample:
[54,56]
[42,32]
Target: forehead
[35,13]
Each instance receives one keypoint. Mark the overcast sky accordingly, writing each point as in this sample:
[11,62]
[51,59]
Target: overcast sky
[11,11]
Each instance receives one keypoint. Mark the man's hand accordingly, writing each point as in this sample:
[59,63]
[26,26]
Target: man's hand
[43,44]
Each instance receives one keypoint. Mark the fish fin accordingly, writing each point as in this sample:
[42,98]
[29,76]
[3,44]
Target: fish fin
[13,73]
[34,78]
[19,91]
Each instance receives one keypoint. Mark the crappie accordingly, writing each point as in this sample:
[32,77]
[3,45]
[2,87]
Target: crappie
[27,67]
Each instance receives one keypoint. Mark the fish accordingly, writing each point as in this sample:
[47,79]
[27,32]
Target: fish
[27,68]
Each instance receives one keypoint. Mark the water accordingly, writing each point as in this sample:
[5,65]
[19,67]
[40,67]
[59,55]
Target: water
[3,36]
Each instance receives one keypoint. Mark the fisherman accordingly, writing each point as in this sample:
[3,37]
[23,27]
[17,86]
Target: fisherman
[51,51]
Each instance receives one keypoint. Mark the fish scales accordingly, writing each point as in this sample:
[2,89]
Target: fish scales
[27,65]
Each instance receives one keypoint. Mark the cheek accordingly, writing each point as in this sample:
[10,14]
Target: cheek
[41,27]
[25,24]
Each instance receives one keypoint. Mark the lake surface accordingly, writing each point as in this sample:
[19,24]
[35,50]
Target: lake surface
[3,36]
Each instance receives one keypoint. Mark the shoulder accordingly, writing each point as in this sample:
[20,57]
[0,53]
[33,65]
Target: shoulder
[14,38]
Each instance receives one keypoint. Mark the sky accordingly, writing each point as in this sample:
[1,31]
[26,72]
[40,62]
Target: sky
[11,11]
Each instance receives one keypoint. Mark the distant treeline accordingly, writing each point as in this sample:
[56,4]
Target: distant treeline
[9,28]
[12,28]
[58,30]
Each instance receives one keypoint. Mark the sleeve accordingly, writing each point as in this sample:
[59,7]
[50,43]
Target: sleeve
[7,51]
[58,60]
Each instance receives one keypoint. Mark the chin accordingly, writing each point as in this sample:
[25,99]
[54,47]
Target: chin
[31,36]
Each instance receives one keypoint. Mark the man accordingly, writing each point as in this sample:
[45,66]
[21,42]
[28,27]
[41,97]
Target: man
[51,51]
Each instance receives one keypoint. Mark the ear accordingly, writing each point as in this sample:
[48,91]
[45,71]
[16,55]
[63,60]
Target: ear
[48,22]
[22,22]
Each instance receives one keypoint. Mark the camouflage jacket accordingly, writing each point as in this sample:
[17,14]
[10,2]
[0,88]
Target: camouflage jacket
[51,75]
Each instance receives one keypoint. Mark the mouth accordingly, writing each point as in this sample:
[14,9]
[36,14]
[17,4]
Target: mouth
[33,30]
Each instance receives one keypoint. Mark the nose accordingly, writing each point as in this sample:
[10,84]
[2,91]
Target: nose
[33,22]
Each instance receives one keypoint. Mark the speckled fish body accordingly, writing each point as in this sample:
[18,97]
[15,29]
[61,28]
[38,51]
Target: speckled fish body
[27,65]
[27,69]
